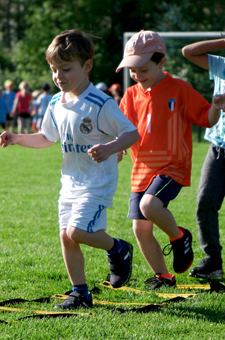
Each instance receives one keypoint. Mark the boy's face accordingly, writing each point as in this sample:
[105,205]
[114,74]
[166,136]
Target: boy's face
[148,75]
[71,77]
[9,88]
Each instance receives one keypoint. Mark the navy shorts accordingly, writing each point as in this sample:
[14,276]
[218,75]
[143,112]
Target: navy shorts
[163,187]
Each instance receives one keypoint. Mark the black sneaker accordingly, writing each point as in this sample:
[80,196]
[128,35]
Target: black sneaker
[182,252]
[158,281]
[120,265]
[207,268]
[76,300]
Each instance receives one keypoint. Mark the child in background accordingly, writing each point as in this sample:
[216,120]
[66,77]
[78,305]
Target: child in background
[92,129]
[162,108]
[24,107]
[42,103]
[116,91]
[102,87]
[3,109]
[211,190]
[9,96]
[35,95]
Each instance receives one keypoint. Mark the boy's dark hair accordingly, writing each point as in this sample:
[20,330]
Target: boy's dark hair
[157,57]
[70,45]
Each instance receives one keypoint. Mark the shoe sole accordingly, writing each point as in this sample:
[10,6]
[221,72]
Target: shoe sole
[216,273]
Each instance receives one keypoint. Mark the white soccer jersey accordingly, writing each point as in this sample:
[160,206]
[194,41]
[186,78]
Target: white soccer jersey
[93,118]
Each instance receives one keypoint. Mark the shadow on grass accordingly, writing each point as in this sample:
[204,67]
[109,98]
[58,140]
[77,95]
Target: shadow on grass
[199,313]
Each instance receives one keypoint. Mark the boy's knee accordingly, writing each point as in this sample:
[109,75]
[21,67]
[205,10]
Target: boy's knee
[68,235]
[150,206]
[146,208]
[65,240]
[72,233]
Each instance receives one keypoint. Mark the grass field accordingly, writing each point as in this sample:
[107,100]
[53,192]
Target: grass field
[32,267]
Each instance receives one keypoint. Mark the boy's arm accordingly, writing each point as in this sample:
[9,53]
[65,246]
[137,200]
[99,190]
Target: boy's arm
[197,52]
[36,140]
[101,152]
[218,103]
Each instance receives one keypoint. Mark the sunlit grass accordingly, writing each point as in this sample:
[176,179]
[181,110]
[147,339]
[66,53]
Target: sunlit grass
[32,267]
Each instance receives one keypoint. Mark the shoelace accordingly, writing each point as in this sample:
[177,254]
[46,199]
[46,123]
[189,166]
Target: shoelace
[168,245]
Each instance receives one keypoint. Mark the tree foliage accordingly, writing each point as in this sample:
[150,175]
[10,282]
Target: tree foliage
[28,27]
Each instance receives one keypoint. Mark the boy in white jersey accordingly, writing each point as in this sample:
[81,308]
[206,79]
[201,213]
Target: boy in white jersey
[92,130]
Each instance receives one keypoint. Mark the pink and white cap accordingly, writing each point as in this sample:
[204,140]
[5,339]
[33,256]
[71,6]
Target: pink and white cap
[140,48]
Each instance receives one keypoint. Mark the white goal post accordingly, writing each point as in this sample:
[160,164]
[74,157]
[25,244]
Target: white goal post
[128,35]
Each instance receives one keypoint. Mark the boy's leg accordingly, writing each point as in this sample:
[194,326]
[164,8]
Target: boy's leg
[73,259]
[119,252]
[150,248]
[98,239]
[20,125]
[210,196]
[10,123]
[87,221]
[153,254]
[180,238]
[27,125]
[74,262]
[152,208]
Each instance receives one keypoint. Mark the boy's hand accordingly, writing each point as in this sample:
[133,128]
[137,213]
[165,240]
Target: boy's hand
[120,155]
[100,152]
[218,101]
[8,138]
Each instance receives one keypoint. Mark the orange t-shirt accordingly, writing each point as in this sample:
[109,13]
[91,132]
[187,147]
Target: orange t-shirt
[163,118]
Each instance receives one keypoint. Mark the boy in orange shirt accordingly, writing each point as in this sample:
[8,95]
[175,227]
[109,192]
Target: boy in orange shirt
[162,108]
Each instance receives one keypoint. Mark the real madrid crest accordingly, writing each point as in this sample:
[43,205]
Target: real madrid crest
[86,126]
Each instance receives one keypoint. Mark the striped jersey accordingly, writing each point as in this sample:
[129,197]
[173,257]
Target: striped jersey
[163,118]
[93,118]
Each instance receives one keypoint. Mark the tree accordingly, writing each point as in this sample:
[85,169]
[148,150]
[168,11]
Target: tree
[28,27]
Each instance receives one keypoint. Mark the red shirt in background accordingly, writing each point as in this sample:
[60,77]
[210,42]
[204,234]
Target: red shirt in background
[23,102]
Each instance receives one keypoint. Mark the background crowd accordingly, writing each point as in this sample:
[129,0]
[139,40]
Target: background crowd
[23,111]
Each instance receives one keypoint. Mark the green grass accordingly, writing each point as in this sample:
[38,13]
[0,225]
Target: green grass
[31,263]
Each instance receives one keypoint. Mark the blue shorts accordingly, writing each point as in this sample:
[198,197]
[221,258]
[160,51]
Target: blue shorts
[163,187]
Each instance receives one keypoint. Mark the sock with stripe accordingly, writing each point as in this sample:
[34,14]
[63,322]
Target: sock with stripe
[117,247]
[82,289]
[168,276]
[179,236]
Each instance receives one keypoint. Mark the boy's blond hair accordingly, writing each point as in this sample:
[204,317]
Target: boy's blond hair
[69,46]
[24,86]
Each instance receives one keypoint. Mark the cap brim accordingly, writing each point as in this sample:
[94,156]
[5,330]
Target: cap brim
[134,61]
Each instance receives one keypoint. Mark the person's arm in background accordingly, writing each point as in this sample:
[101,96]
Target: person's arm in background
[197,52]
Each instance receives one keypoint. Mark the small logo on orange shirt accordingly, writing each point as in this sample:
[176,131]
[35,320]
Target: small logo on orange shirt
[172,104]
